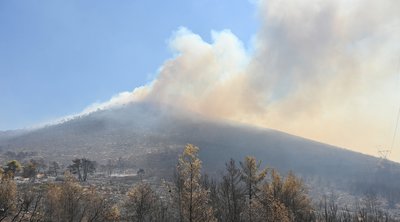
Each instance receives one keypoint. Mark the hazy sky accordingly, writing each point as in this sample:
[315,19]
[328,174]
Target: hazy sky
[58,57]
[320,69]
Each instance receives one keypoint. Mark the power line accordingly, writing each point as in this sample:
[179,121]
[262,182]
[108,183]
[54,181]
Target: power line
[398,113]
[395,130]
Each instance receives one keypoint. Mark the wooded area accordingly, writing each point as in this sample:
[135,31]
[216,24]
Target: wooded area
[244,192]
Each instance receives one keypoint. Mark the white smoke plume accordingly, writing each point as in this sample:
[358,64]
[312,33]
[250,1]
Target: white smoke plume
[324,70]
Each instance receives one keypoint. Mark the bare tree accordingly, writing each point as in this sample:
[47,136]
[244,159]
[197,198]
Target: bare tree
[110,167]
[63,202]
[53,168]
[292,193]
[253,177]
[8,195]
[141,202]
[96,207]
[29,204]
[231,193]
[194,198]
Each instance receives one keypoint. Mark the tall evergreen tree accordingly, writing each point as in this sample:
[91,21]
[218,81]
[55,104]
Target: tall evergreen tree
[82,167]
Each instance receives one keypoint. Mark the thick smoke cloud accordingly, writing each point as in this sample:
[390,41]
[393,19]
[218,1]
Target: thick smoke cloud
[325,70]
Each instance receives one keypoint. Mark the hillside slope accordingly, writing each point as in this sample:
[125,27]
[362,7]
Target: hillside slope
[142,128]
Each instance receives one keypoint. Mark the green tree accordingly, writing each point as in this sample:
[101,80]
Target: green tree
[12,168]
[30,170]
[82,167]
[76,168]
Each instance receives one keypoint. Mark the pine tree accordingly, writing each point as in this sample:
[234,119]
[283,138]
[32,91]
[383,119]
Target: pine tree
[82,167]
[270,198]
[12,168]
[295,198]
[231,193]
[141,203]
[194,198]
[253,177]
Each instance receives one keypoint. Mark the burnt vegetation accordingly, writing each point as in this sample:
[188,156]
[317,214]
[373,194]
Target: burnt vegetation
[243,191]
[121,164]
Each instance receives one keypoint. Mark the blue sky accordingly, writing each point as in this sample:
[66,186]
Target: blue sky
[324,70]
[58,57]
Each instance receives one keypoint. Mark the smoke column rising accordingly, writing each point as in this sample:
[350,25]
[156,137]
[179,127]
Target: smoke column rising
[324,70]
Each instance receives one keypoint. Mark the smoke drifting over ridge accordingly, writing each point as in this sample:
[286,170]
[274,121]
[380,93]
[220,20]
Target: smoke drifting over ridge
[325,70]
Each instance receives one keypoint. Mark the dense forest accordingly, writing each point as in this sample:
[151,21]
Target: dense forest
[244,192]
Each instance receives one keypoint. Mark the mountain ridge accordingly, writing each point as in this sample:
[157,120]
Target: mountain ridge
[152,117]
[151,136]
